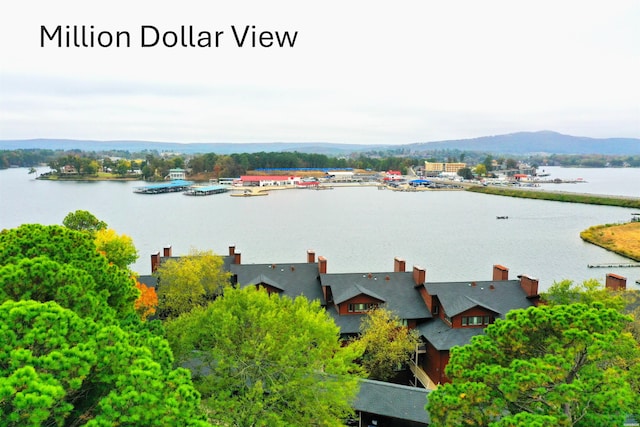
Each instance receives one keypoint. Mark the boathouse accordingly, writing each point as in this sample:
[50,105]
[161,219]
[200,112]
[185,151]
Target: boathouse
[177,173]
[269,180]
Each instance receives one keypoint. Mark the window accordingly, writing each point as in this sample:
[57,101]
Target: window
[356,308]
[475,320]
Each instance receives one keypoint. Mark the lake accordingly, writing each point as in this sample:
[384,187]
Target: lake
[454,235]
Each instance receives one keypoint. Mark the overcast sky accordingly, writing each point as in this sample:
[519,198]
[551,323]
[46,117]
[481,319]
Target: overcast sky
[359,72]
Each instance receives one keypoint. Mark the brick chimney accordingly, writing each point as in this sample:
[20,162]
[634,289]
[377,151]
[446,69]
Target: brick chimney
[615,282]
[166,252]
[399,265]
[322,265]
[419,275]
[311,256]
[232,250]
[500,272]
[155,262]
[529,284]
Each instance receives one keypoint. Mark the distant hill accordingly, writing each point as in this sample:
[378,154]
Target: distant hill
[187,148]
[514,143]
[537,142]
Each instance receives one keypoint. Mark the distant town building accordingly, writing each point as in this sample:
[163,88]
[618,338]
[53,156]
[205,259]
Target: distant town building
[443,167]
[269,180]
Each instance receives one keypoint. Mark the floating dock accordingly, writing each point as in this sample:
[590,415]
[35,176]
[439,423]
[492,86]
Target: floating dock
[175,186]
[614,265]
[206,190]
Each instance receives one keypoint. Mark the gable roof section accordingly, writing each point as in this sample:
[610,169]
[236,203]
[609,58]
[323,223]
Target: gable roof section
[444,337]
[354,291]
[498,296]
[462,303]
[292,279]
[393,400]
[264,279]
[396,289]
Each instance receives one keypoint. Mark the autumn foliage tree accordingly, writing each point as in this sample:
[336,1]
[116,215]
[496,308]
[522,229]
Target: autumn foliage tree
[117,248]
[147,303]
[190,281]
[387,343]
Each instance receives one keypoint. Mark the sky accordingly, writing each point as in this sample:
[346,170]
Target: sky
[359,72]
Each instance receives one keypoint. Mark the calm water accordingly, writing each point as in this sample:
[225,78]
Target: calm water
[454,235]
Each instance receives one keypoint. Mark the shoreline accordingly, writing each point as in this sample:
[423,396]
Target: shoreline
[622,239]
[559,196]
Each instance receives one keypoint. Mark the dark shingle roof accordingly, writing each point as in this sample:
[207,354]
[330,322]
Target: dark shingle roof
[354,291]
[148,280]
[393,400]
[292,279]
[444,337]
[498,296]
[348,323]
[396,289]
[458,297]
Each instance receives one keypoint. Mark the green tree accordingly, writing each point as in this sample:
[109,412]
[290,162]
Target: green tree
[565,365]
[465,173]
[57,368]
[387,344]
[480,169]
[588,292]
[190,281]
[83,221]
[512,163]
[488,163]
[62,246]
[263,360]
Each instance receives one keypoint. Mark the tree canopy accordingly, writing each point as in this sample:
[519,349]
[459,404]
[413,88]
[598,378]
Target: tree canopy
[565,365]
[266,360]
[83,221]
[387,344]
[190,281]
[117,248]
[57,368]
[47,244]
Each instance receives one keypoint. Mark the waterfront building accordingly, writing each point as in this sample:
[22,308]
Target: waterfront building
[433,167]
[445,314]
[177,173]
[269,180]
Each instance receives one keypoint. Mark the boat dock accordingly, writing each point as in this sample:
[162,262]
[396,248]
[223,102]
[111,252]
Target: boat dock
[175,186]
[206,190]
[614,265]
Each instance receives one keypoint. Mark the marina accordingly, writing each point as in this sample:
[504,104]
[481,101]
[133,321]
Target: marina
[206,190]
[175,186]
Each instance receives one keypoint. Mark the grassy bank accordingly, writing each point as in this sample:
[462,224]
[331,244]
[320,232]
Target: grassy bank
[101,176]
[623,239]
[625,202]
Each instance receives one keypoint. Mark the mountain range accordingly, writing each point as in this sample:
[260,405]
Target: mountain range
[520,143]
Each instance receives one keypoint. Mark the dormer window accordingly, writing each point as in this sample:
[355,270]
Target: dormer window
[361,307]
[475,320]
